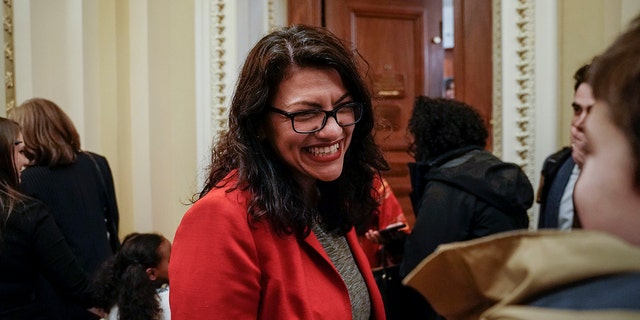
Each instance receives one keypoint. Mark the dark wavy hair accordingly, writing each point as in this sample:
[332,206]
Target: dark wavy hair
[122,280]
[615,78]
[580,76]
[10,196]
[50,138]
[275,193]
[440,125]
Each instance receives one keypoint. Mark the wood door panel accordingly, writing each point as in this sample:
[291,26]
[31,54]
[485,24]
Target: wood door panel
[395,82]
[393,39]
[307,12]
[472,57]
[395,73]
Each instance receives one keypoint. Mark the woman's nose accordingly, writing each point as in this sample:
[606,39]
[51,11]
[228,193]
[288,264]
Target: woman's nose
[330,128]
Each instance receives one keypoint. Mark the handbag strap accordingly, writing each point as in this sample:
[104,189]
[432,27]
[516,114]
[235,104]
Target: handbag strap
[103,186]
[100,177]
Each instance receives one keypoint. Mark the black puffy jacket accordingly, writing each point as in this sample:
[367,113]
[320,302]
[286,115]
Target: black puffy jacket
[462,195]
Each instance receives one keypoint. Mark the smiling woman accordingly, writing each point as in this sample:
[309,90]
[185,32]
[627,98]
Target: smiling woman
[315,148]
[285,188]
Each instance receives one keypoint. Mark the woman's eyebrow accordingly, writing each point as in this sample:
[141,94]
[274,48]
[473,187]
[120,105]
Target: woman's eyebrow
[317,105]
[342,98]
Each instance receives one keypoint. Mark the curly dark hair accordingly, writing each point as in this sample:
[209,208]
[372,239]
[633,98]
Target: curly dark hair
[122,280]
[275,193]
[440,125]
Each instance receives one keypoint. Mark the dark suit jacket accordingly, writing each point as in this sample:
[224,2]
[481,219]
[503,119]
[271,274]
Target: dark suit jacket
[555,175]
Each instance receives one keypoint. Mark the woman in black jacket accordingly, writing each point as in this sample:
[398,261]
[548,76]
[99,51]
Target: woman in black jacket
[76,186]
[459,190]
[30,242]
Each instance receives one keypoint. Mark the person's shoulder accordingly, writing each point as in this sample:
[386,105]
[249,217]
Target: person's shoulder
[224,202]
[31,205]
[35,172]
[30,210]
[483,165]
[553,162]
[226,191]
[616,291]
[92,155]
[559,156]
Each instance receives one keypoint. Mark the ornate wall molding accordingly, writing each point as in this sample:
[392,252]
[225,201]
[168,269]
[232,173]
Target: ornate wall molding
[525,89]
[514,83]
[9,74]
[271,18]
[218,57]
[496,118]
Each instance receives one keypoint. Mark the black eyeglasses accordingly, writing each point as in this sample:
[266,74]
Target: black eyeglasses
[311,121]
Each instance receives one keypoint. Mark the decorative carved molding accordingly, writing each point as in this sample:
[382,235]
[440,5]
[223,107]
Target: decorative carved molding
[496,118]
[518,95]
[271,18]
[218,58]
[9,74]
[525,80]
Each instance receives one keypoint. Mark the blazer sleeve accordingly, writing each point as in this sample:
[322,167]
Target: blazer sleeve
[56,261]
[214,267]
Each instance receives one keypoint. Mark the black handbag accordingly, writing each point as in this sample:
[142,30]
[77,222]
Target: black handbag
[390,285]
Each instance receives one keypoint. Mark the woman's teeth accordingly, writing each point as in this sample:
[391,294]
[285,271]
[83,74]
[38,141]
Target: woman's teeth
[323,151]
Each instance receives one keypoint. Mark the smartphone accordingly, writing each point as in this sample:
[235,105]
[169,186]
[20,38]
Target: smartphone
[390,230]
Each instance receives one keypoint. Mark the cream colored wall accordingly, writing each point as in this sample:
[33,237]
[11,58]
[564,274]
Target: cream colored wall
[124,72]
[156,86]
[585,28]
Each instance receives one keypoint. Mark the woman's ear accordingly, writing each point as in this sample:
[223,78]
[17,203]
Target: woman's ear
[151,272]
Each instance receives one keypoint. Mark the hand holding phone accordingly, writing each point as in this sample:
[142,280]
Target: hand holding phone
[392,228]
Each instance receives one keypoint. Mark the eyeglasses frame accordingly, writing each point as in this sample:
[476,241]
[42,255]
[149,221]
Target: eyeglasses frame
[333,113]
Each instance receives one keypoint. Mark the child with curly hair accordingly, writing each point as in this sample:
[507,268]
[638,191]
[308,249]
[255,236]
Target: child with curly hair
[134,283]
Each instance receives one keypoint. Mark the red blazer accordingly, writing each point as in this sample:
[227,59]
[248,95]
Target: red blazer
[220,268]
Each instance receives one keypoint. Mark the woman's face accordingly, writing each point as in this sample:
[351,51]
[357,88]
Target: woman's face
[19,159]
[312,156]
[605,196]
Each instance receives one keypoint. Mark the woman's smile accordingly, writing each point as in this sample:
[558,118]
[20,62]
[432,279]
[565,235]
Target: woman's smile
[324,153]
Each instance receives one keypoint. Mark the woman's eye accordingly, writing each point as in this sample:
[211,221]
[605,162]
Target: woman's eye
[306,115]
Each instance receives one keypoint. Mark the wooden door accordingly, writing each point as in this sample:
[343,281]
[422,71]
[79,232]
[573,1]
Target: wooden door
[395,39]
